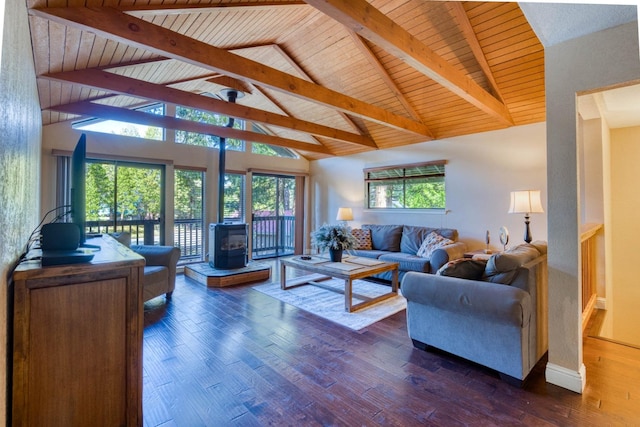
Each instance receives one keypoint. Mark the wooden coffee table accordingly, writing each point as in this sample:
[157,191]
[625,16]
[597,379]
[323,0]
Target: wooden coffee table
[349,269]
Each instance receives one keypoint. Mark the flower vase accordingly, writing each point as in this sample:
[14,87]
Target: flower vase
[335,255]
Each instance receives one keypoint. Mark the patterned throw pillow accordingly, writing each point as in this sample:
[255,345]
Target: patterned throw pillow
[363,237]
[432,242]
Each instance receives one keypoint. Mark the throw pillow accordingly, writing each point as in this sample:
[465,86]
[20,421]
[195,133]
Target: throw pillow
[463,268]
[363,238]
[432,242]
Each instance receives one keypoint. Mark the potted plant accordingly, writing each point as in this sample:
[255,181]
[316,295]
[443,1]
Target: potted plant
[336,238]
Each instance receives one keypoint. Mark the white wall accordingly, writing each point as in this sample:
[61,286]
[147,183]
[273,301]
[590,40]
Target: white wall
[591,62]
[622,302]
[481,171]
[593,148]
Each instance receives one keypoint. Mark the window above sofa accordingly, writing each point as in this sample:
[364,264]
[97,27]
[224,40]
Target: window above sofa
[410,186]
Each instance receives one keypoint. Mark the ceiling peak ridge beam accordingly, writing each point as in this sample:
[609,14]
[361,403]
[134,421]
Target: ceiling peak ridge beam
[111,82]
[382,72]
[118,26]
[86,108]
[470,35]
[179,9]
[367,21]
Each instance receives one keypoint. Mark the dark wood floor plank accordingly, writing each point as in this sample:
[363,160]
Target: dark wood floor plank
[236,357]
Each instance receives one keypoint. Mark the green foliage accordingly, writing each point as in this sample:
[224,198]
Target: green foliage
[138,192]
[233,196]
[204,140]
[333,237]
[100,191]
[188,194]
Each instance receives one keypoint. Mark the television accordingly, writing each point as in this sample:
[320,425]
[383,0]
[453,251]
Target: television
[79,187]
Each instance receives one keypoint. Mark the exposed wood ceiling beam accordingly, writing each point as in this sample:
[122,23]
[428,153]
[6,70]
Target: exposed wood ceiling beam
[115,25]
[373,25]
[111,82]
[467,30]
[177,9]
[85,108]
[375,63]
[306,76]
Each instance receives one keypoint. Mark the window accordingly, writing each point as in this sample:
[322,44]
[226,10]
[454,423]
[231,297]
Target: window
[188,222]
[234,197]
[206,140]
[414,186]
[269,150]
[124,128]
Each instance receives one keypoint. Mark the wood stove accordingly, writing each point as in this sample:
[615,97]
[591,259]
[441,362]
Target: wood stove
[227,245]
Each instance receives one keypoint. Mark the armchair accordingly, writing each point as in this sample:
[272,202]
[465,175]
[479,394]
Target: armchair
[160,269]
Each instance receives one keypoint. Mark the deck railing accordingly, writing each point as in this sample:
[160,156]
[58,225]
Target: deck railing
[272,235]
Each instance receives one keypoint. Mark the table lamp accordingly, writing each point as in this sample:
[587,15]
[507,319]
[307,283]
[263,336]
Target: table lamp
[344,215]
[526,202]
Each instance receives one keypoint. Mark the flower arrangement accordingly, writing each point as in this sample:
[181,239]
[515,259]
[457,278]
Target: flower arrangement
[333,237]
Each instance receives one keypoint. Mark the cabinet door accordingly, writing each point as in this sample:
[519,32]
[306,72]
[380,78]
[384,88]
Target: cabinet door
[78,354]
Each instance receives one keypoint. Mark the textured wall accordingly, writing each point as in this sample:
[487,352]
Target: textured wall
[21,129]
[590,62]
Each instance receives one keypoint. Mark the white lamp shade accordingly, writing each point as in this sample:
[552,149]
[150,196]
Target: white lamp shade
[344,214]
[527,201]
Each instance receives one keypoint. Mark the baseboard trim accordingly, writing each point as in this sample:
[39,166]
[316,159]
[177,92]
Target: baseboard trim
[566,378]
[601,303]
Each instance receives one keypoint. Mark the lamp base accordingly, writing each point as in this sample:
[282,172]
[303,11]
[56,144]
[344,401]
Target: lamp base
[527,230]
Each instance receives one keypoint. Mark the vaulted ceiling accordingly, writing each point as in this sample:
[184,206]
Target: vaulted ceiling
[323,77]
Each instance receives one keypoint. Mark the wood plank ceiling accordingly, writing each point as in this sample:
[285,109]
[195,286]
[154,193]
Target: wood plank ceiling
[324,77]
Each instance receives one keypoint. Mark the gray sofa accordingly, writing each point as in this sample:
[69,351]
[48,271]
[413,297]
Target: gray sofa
[400,243]
[491,312]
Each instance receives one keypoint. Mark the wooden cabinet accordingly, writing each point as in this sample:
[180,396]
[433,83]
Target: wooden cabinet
[77,342]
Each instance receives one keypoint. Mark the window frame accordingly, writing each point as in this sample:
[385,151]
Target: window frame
[398,175]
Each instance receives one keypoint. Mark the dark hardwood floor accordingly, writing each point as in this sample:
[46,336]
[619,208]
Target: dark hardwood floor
[236,357]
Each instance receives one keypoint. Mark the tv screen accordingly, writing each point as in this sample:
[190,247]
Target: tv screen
[78,187]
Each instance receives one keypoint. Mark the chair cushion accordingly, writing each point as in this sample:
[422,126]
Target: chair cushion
[385,237]
[155,273]
[363,238]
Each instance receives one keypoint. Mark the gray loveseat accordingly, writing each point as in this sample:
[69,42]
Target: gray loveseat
[497,319]
[400,243]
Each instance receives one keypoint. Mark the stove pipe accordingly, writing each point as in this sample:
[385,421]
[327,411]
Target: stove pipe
[231,95]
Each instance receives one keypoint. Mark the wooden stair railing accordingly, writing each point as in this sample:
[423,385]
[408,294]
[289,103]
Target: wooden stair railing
[588,233]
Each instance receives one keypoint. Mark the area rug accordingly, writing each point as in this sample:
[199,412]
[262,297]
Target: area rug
[330,305]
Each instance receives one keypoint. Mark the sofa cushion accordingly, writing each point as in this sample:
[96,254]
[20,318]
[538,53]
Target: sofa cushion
[385,237]
[363,238]
[464,268]
[432,242]
[414,235]
[503,267]
[407,262]
[367,253]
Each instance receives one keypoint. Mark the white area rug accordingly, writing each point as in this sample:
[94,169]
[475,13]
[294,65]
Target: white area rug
[330,305]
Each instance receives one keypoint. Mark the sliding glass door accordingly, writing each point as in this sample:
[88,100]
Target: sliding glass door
[273,215]
[126,197]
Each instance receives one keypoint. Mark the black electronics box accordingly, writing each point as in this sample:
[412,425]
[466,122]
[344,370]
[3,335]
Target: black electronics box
[60,236]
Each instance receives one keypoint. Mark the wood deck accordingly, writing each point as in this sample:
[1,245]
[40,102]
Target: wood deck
[234,356]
